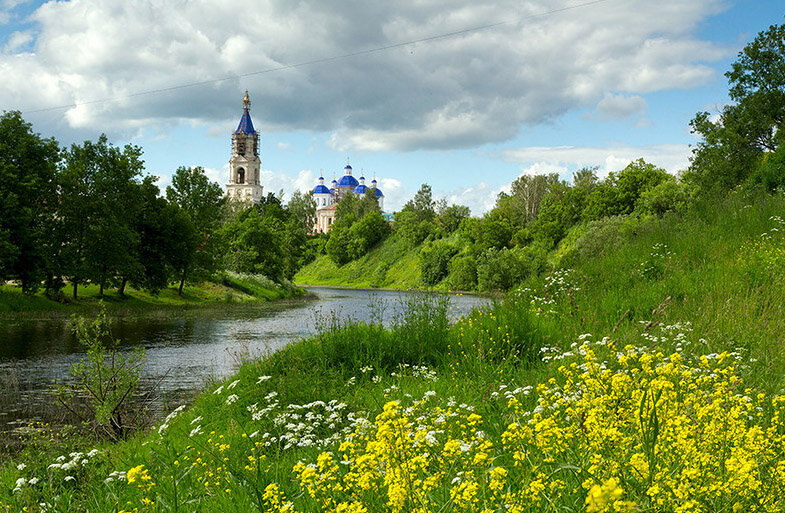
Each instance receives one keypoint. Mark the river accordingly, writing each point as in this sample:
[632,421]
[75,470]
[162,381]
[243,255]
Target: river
[185,348]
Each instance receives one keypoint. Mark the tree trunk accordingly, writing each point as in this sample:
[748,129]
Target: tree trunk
[75,285]
[122,287]
[182,282]
[101,289]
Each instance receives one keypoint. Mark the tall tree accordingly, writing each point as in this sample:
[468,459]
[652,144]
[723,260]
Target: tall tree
[100,197]
[201,200]
[734,142]
[303,208]
[28,168]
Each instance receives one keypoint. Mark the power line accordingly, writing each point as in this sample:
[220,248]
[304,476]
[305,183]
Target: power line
[322,60]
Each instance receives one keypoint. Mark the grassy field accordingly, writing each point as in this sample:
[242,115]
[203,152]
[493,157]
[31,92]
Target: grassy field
[228,288]
[642,373]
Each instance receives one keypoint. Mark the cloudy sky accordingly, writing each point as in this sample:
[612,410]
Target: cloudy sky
[462,95]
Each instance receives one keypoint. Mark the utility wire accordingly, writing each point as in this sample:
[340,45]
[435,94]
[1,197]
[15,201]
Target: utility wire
[322,60]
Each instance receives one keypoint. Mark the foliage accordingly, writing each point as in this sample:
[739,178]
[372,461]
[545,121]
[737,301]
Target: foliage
[416,220]
[498,269]
[359,226]
[463,273]
[668,196]
[28,165]
[434,261]
[733,145]
[99,199]
[106,377]
[302,208]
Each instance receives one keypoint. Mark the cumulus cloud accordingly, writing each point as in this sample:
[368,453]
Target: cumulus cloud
[671,157]
[462,91]
[17,41]
[480,198]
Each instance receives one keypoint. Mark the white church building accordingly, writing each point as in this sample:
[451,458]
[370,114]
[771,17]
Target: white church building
[245,183]
[327,199]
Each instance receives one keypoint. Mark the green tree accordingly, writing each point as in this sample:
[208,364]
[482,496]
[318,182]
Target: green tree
[450,218]
[303,208]
[28,169]
[201,201]
[99,199]
[416,220]
[733,145]
[435,260]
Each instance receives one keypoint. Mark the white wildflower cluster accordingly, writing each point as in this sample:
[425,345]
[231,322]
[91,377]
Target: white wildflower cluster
[232,399]
[559,281]
[262,379]
[70,464]
[510,393]
[415,371]
[165,425]
[117,475]
[316,424]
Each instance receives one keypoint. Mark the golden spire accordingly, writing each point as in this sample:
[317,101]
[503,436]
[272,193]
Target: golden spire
[246,101]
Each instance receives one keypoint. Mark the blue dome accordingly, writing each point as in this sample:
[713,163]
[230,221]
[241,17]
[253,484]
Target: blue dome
[321,189]
[348,181]
[379,193]
[360,189]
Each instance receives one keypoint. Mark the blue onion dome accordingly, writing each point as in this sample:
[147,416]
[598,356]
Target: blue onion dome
[246,125]
[378,191]
[348,181]
[321,188]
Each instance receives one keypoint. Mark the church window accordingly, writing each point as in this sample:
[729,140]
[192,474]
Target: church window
[241,175]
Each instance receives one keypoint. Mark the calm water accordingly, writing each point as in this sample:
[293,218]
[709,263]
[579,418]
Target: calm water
[185,348]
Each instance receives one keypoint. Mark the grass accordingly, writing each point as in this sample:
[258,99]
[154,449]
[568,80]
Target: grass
[232,288]
[392,264]
[643,376]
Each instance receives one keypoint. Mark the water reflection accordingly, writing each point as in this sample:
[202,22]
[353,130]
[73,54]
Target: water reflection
[184,348]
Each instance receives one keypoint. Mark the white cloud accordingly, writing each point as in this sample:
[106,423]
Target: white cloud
[480,198]
[283,146]
[671,157]
[619,106]
[461,91]
[17,41]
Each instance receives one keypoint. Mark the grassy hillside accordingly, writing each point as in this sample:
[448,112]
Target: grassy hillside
[642,373]
[390,265]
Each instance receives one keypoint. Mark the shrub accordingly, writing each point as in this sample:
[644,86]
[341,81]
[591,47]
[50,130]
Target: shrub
[434,261]
[463,273]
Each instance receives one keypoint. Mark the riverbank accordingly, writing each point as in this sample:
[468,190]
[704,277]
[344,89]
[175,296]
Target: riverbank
[229,290]
[644,377]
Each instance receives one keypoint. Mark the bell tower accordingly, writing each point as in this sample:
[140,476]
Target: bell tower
[245,165]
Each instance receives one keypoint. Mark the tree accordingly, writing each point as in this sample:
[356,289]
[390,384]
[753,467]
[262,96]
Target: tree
[28,169]
[415,221]
[450,218]
[733,145]
[201,200]
[99,199]
[303,208]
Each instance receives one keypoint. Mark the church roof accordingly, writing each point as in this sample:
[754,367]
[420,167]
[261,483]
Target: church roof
[360,189]
[347,181]
[321,189]
[246,125]
[378,193]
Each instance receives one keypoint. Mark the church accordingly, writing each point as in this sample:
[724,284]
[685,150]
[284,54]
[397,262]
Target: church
[245,183]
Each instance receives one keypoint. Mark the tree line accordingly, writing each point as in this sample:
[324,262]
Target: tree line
[740,149]
[89,214]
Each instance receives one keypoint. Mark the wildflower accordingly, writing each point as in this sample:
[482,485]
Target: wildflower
[600,498]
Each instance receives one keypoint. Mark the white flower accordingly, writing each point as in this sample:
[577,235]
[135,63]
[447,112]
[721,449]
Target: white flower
[33,480]
[197,419]
[196,431]
[232,399]
[219,390]
[70,478]
[92,453]
[262,378]
[232,384]
[21,466]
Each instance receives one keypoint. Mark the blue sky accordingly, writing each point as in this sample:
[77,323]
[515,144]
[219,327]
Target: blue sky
[532,87]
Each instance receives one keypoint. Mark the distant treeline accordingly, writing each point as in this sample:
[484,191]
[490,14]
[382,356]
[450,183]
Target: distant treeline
[741,148]
[89,214]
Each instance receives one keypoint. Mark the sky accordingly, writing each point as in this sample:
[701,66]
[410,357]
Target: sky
[465,96]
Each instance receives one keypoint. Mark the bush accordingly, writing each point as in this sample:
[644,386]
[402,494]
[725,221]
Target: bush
[667,196]
[498,269]
[463,273]
[770,175]
[598,238]
[435,260]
